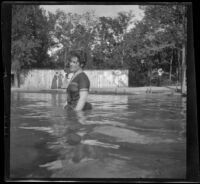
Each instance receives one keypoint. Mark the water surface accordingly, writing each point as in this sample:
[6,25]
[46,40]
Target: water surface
[123,136]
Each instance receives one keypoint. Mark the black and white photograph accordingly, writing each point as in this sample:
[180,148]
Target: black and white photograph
[98,91]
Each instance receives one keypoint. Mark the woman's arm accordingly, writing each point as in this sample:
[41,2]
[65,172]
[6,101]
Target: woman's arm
[82,100]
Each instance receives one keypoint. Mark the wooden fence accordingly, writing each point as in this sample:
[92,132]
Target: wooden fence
[48,79]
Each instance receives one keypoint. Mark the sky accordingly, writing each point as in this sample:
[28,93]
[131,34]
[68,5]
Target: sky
[100,10]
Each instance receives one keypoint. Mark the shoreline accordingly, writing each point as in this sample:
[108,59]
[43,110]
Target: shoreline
[168,90]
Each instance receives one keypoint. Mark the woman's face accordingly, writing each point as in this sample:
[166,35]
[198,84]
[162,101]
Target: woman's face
[74,64]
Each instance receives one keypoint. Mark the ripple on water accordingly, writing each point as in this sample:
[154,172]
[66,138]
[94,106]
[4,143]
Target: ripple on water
[44,129]
[126,135]
[98,143]
[103,122]
[109,168]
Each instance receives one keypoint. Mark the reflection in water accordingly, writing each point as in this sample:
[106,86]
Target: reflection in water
[122,136]
[56,99]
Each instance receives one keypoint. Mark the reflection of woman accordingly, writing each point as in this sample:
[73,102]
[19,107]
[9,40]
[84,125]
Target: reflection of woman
[78,87]
[75,133]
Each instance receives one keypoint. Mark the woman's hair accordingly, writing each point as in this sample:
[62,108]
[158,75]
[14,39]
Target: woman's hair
[80,55]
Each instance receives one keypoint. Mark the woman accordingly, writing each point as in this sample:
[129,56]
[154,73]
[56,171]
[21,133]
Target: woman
[78,87]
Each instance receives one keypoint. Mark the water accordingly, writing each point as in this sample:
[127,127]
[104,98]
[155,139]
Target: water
[124,136]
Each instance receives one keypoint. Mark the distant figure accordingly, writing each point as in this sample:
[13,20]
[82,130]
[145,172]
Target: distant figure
[54,81]
[65,81]
[60,76]
[160,72]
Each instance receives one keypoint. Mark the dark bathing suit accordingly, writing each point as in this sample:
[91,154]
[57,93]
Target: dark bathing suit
[79,83]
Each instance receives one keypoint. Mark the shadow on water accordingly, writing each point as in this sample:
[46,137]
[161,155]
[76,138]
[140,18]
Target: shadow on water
[134,136]
[28,149]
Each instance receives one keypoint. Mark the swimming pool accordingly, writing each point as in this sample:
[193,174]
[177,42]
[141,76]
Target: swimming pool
[123,136]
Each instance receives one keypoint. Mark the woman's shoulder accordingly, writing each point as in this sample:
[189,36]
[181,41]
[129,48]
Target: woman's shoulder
[83,80]
[82,75]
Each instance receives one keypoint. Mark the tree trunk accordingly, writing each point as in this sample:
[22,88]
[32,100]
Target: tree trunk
[183,67]
[18,79]
[65,55]
[177,73]
[170,70]
[150,76]
[122,58]
[179,70]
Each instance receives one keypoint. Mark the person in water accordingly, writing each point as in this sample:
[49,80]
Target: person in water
[78,86]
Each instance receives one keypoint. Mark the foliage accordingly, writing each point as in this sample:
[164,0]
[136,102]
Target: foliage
[111,32]
[159,37]
[73,32]
[30,38]
[155,41]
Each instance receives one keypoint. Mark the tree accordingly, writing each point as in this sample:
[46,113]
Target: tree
[111,33]
[23,42]
[168,24]
[74,32]
[30,38]
[42,27]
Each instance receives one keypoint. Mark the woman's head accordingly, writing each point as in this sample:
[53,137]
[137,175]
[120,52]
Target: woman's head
[77,61]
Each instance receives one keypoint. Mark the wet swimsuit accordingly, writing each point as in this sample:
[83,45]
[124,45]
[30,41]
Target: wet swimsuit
[79,83]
